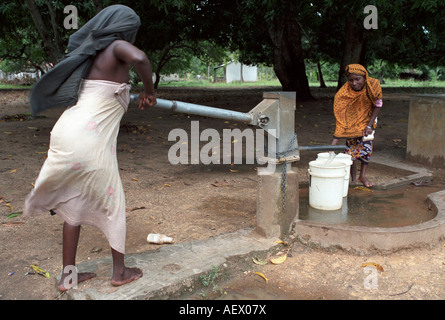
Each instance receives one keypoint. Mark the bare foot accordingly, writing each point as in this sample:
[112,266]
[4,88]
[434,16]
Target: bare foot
[366,182]
[129,275]
[80,278]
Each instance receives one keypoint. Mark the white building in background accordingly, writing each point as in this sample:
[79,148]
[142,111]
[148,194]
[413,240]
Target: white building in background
[168,77]
[21,76]
[235,71]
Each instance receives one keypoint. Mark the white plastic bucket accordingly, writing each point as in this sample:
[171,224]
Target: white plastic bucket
[341,157]
[326,184]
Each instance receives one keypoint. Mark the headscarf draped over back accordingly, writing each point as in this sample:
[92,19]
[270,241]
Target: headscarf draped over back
[59,87]
[353,109]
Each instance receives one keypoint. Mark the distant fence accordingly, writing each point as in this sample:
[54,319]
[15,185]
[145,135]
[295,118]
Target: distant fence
[22,77]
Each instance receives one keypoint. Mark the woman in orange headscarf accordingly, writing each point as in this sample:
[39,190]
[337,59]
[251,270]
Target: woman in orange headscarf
[356,106]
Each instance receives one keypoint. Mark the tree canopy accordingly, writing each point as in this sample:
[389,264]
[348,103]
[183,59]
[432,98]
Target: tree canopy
[285,34]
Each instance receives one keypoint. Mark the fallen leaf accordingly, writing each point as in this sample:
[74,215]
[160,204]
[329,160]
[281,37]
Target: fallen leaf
[233,170]
[362,188]
[14,214]
[282,242]
[259,261]
[95,250]
[262,276]
[376,265]
[40,271]
[219,185]
[13,171]
[11,224]
[279,260]
[134,179]
[137,208]
[167,185]
[9,205]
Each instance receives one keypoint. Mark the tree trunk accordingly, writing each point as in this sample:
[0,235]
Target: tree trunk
[98,6]
[52,14]
[158,79]
[353,50]
[320,75]
[241,73]
[51,48]
[288,56]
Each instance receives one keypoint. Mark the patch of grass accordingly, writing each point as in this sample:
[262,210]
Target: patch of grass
[209,281]
[14,86]
[208,84]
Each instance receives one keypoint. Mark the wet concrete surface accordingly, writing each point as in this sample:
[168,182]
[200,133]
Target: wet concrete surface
[399,207]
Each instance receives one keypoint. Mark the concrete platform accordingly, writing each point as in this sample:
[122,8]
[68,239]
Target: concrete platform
[408,172]
[364,240]
[426,130]
[170,269]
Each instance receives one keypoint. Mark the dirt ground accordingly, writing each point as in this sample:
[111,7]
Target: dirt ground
[195,201]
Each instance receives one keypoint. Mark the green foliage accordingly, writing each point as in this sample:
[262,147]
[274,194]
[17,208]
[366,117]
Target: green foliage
[210,279]
[21,45]
[191,35]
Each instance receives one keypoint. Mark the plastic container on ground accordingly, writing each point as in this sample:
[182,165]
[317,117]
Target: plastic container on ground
[341,157]
[326,184]
[157,238]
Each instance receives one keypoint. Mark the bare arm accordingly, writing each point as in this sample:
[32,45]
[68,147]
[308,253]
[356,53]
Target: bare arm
[368,129]
[135,57]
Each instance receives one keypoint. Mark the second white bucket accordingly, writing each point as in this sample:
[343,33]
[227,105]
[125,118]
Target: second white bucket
[344,158]
[326,184]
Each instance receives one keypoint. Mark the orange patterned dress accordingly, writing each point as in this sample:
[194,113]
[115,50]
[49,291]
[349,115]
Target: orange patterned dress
[353,110]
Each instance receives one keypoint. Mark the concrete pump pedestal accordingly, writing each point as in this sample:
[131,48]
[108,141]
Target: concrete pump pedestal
[426,130]
[272,220]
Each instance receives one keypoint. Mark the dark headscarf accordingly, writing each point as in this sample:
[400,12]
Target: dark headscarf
[59,87]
